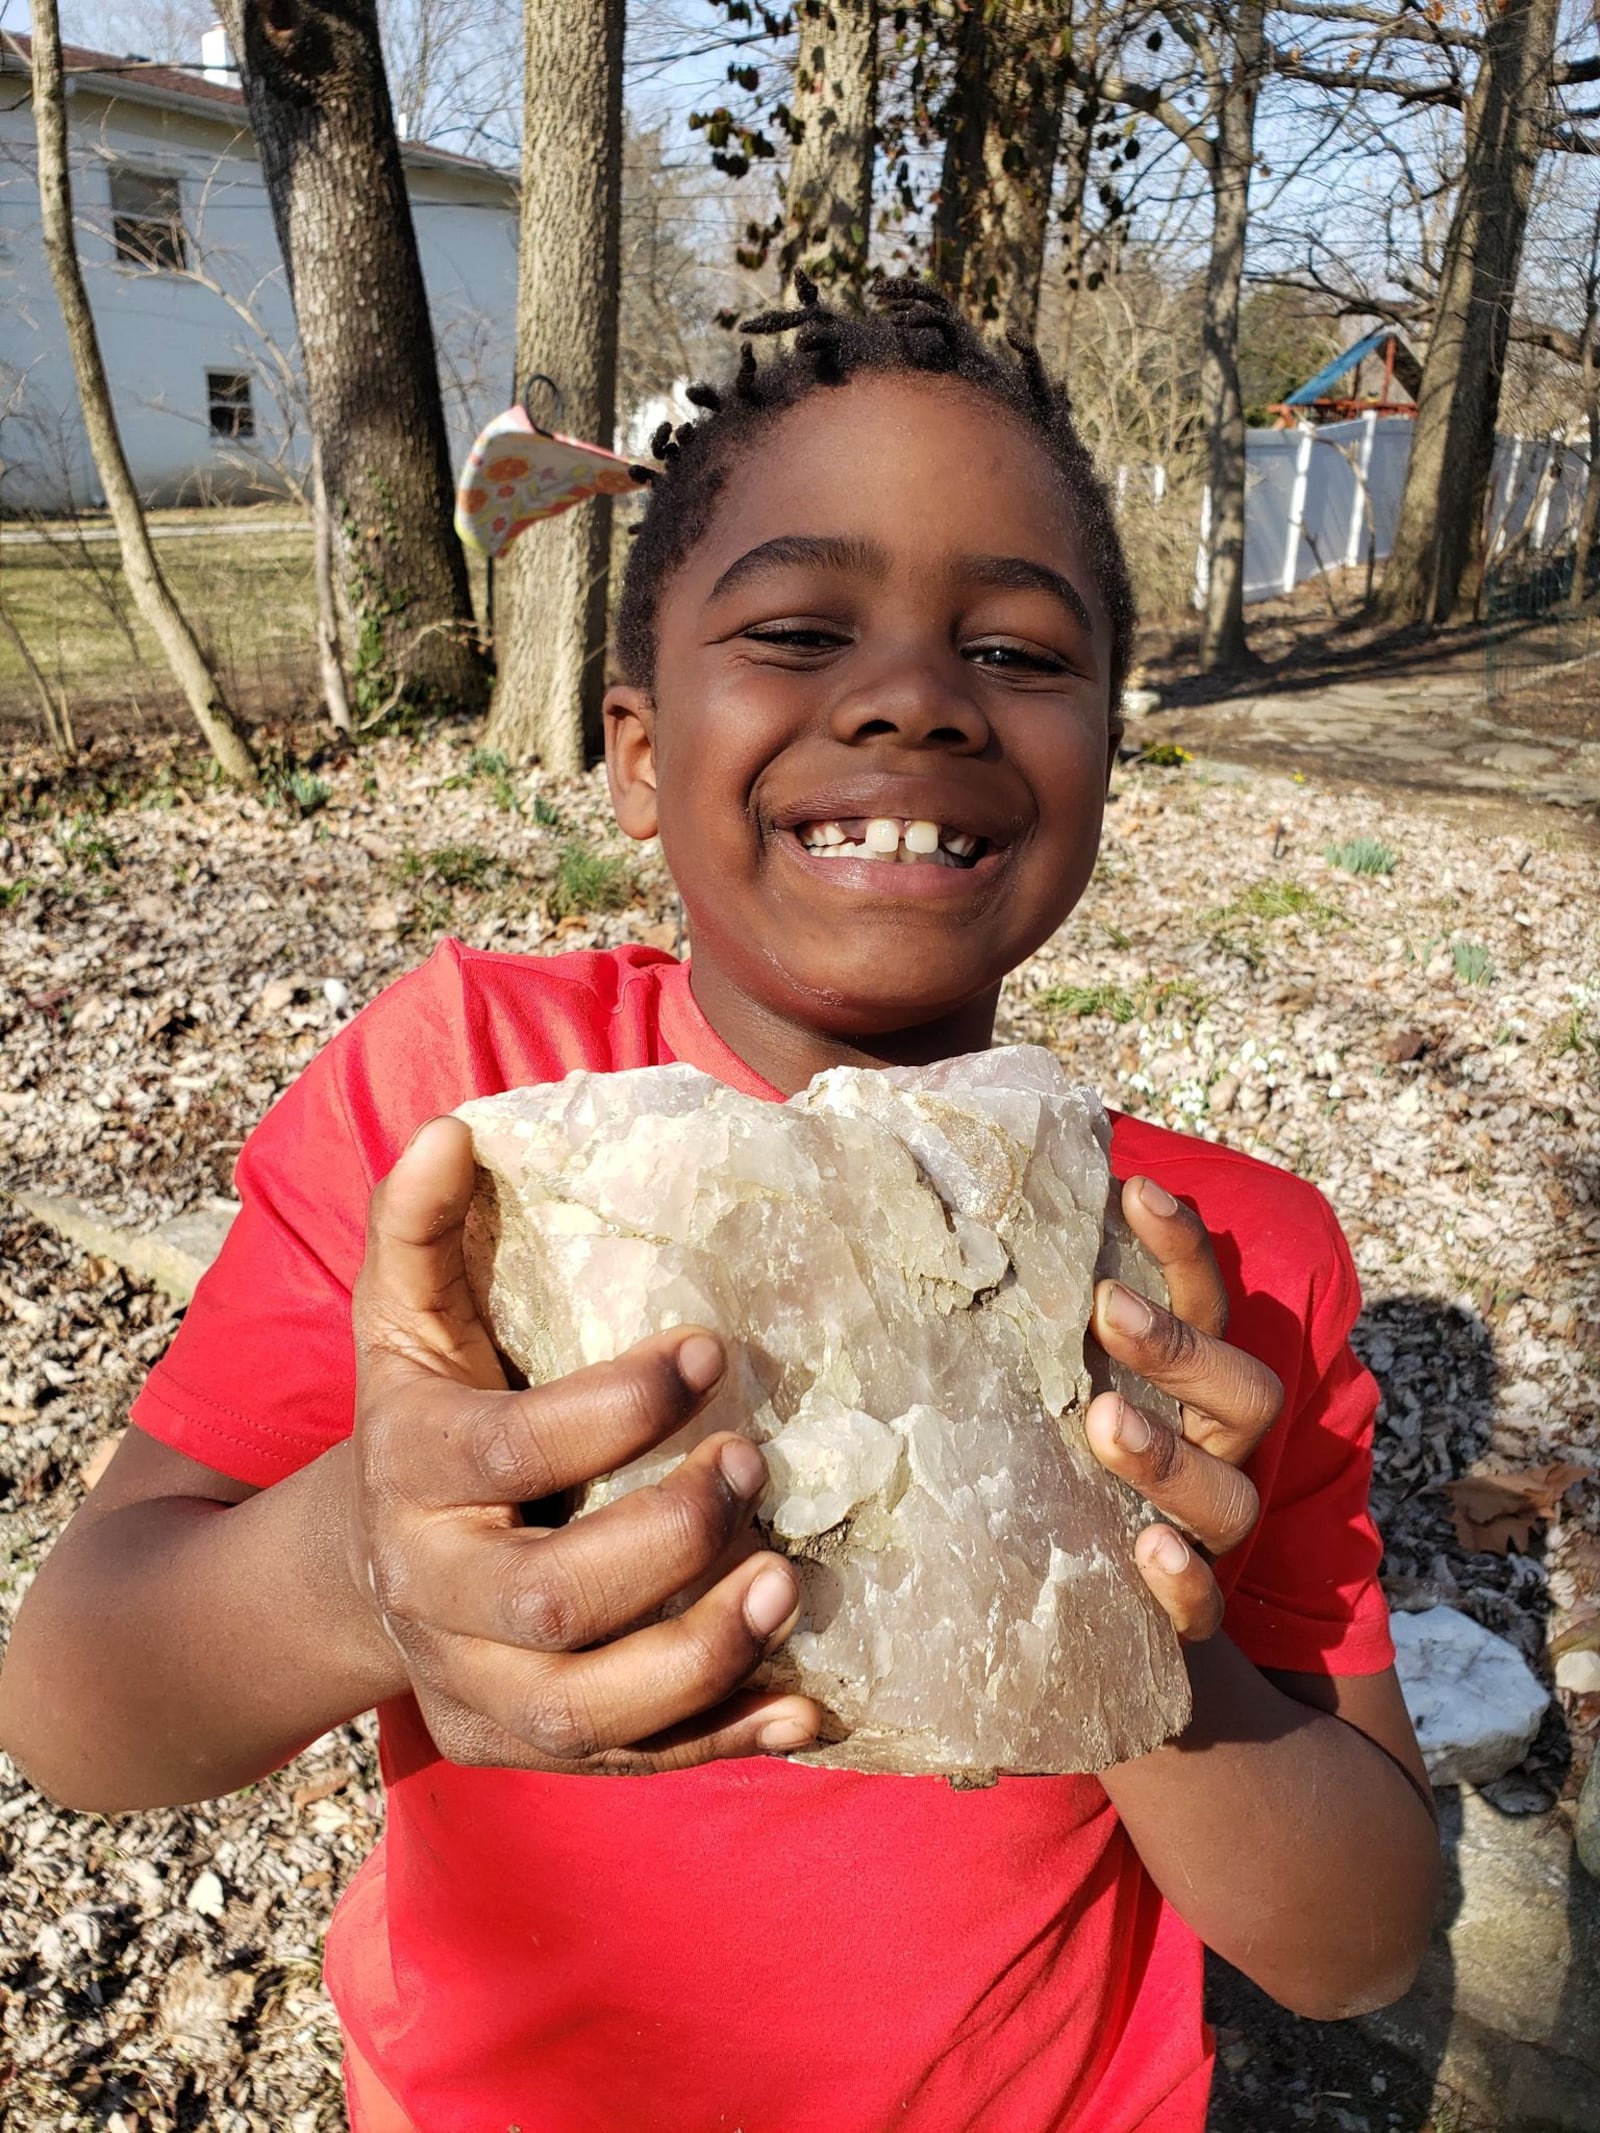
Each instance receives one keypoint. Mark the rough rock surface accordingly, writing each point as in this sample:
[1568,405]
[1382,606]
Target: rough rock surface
[1474,1702]
[903,1265]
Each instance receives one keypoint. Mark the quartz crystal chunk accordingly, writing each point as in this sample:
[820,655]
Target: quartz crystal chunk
[902,1265]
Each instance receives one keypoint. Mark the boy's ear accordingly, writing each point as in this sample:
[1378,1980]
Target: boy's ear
[630,716]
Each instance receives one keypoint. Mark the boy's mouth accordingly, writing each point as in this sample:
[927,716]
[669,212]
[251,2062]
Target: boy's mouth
[891,839]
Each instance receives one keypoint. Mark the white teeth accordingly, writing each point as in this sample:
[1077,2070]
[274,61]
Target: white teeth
[883,836]
[963,847]
[922,837]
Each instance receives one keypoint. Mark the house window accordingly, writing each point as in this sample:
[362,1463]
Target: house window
[147,220]
[228,403]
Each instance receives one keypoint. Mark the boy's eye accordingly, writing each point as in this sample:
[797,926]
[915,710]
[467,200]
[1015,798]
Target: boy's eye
[1010,658]
[797,636]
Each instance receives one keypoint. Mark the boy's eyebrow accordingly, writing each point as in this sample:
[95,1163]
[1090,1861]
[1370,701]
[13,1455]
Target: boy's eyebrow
[827,551]
[1017,573]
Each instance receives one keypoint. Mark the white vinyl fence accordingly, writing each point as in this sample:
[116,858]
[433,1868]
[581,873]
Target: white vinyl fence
[1319,499]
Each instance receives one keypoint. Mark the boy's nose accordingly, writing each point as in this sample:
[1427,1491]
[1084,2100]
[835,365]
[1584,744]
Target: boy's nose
[915,705]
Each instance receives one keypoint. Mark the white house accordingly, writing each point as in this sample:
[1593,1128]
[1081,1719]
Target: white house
[175,232]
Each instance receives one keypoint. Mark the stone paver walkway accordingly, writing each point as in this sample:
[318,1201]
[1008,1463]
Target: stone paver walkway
[1429,731]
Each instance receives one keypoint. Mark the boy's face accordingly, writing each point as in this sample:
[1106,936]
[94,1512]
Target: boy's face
[890,621]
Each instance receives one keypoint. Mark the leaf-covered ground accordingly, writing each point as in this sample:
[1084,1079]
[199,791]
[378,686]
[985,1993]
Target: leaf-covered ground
[1423,1042]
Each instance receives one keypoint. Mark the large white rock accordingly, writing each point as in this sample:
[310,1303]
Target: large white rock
[902,1263]
[1472,1698]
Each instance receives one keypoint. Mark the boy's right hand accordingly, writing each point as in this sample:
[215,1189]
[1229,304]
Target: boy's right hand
[515,1639]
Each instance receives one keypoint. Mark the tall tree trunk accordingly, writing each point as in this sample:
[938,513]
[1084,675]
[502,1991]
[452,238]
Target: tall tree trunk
[146,580]
[1004,129]
[1222,636]
[828,200]
[1436,567]
[556,577]
[319,105]
[963,121]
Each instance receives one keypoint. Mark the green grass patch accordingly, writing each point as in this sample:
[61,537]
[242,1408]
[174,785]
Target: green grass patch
[1363,855]
[1269,900]
[1088,1001]
[88,849]
[1115,1003]
[588,881]
[451,866]
[13,892]
[1165,755]
[1472,961]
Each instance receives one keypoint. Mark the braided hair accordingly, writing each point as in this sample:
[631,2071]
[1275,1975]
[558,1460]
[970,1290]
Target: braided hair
[910,326]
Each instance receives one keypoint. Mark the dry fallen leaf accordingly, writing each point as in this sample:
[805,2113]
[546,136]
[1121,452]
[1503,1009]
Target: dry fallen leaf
[1499,1511]
[197,2011]
[321,1788]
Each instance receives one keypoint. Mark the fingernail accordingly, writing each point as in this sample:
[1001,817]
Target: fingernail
[1169,1554]
[1127,1312]
[786,1733]
[743,1468]
[769,1601]
[1156,1197]
[700,1362]
[1133,1430]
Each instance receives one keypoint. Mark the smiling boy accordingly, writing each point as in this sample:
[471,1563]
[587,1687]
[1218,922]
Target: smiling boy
[872,628]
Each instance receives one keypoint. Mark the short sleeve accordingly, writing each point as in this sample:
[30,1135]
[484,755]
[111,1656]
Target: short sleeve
[260,1379]
[1303,1593]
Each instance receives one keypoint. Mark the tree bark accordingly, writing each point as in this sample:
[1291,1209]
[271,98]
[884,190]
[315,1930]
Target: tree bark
[1436,567]
[828,199]
[319,105]
[329,663]
[993,216]
[1222,634]
[555,578]
[146,580]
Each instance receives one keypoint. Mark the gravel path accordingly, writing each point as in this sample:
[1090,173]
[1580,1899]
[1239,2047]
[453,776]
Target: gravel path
[1424,1043]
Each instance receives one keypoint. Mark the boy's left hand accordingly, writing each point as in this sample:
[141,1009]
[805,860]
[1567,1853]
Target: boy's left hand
[1228,1403]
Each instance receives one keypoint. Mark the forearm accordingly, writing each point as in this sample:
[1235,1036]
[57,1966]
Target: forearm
[1294,1846]
[175,1649]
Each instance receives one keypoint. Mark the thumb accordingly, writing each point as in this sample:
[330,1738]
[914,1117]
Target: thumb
[413,1306]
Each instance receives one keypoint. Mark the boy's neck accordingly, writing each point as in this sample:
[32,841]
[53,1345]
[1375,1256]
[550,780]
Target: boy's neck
[788,1054]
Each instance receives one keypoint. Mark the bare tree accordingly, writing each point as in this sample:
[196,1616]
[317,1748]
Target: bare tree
[1435,569]
[146,581]
[828,196]
[1211,111]
[1002,132]
[318,98]
[552,654]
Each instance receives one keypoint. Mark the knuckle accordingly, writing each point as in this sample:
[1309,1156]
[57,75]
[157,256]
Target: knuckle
[1174,1343]
[506,1450]
[1165,1454]
[555,1722]
[642,1408]
[538,1611]
[692,1514]
[1239,1512]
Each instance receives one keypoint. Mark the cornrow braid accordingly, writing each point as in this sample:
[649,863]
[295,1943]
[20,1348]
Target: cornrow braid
[909,325]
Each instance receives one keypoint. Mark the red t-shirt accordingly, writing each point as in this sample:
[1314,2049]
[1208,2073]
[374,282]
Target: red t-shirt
[754,1946]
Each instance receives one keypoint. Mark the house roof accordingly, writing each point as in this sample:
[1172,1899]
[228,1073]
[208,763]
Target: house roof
[148,81]
[1406,368]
